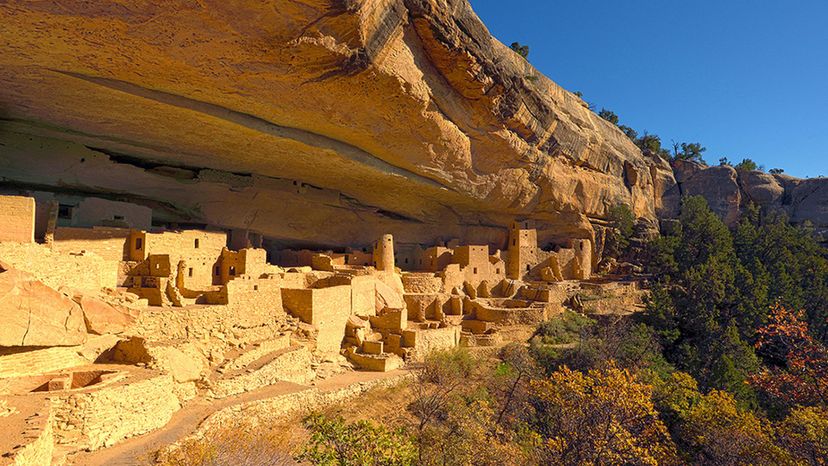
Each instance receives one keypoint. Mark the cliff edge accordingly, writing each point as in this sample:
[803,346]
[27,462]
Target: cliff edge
[324,122]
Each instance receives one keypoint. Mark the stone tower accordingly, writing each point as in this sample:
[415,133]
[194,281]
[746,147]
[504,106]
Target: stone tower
[583,256]
[522,249]
[384,253]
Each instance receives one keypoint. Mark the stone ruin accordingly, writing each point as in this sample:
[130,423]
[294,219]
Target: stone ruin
[107,330]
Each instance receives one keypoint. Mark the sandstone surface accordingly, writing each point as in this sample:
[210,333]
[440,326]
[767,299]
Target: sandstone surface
[365,117]
[729,191]
[103,318]
[32,314]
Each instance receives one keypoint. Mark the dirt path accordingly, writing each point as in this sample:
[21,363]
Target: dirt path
[138,450]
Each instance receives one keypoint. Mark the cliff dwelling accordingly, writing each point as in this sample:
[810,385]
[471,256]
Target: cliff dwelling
[160,316]
[211,209]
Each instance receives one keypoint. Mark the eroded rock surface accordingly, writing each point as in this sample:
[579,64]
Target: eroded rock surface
[729,191]
[365,117]
[32,314]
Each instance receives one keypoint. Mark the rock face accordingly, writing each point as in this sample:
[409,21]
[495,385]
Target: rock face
[32,314]
[728,191]
[324,122]
[102,318]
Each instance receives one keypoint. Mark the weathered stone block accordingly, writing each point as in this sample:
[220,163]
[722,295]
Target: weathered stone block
[372,347]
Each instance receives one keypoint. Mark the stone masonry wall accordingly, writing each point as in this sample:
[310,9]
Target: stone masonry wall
[83,272]
[100,418]
[325,308]
[17,219]
[40,361]
[109,243]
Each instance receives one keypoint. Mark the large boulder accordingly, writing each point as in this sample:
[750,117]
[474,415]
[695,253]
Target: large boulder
[103,318]
[387,297]
[728,191]
[809,201]
[32,314]
[718,185]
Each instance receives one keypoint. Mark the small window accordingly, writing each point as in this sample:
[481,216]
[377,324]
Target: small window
[406,260]
[527,267]
[65,211]
[514,242]
[475,271]
[139,243]
[346,259]
[255,287]
[232,271]
[218,271]
[117,217]
[190,272]
[497,271]
[196,243]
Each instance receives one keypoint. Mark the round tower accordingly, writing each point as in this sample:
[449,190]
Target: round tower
[384,253]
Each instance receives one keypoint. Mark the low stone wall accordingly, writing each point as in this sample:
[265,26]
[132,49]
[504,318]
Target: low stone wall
[426,341]
[292,365]
[230,323]
[532,315]
[40,361]
[97,418]
[270,410]
[612,298]
[83,272]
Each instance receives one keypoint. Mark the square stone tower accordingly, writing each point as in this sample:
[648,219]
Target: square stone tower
[522,249]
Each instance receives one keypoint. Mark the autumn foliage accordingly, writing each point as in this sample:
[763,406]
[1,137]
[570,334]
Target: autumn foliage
[600,417]
[799,374]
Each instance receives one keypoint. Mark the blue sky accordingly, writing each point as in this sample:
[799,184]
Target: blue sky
[746,78]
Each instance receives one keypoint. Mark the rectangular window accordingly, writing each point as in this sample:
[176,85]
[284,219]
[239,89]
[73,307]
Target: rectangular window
[232,271]
[65,211]
[190,272]
[139,243]
[475,270]
[196,243]
[255,287]
[218,271]
[117,217]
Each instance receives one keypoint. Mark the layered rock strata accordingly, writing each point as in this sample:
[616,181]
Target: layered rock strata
[368,117]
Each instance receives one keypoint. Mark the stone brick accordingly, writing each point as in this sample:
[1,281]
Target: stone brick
[372,347]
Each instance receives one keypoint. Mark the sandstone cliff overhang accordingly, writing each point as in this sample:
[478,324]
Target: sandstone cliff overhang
[329,122]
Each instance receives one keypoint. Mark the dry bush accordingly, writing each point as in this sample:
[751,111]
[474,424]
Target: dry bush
[242,444]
